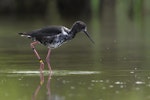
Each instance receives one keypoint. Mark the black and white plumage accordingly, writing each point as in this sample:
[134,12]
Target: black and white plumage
[53,37]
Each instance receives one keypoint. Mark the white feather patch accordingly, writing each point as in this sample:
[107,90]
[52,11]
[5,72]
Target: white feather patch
[63,30]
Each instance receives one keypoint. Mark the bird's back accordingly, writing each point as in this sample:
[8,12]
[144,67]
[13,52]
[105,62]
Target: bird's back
[46,31]
[39,34]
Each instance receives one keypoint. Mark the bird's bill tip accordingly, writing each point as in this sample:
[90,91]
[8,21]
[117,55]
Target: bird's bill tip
[87,34]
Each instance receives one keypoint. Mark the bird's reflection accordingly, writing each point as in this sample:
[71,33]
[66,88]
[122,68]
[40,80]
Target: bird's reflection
[48,87]
[39,87]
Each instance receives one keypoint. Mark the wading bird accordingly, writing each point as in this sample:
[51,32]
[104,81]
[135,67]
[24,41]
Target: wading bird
[53,37]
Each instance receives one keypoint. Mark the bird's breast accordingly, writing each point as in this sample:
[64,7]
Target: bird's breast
[57,41]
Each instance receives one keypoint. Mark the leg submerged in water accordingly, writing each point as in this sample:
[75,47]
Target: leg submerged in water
[40,60]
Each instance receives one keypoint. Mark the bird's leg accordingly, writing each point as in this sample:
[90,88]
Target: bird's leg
[47,60]
[48,87]
[40,60]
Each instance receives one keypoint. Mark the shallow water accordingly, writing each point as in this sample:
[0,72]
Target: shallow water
[115,68]
[69,84]
[78,73]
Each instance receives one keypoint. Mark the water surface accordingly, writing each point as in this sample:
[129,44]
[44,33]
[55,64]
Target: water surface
[115,68]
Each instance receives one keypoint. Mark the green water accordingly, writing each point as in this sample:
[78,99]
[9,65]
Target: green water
[117,67]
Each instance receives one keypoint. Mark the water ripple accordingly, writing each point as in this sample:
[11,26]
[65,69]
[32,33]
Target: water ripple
[46,72]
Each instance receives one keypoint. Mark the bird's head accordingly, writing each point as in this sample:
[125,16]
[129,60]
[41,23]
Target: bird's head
[80,26]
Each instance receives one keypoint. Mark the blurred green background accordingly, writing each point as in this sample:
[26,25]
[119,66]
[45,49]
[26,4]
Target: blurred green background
[117,67]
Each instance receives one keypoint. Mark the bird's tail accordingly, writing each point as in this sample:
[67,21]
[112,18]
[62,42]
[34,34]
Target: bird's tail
[25,35]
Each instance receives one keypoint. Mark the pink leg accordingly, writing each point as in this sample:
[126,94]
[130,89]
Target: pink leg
[36,92]
[48,86]
[40,60]
[47,60]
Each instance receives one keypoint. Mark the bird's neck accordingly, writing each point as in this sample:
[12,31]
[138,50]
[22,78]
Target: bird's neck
[74,29]
[72,32]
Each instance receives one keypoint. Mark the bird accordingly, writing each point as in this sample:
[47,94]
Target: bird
[53,37]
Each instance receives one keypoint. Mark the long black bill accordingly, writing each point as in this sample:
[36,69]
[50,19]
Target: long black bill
[89,36]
